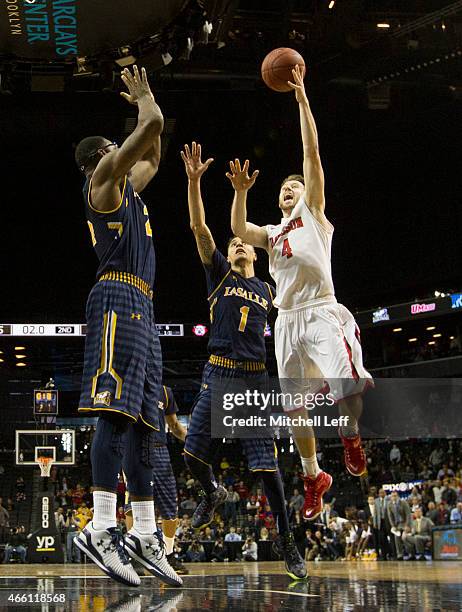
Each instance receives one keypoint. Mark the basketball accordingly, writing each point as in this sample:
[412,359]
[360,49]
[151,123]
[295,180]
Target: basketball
[277,66]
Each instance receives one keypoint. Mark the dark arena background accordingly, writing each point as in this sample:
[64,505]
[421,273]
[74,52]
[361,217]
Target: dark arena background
[384,80]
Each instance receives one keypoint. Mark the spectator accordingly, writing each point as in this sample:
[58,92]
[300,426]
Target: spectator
[232,536]
[261,499]
[436,457]
[264,534]
[195,552]
[190,482]
[445,472]
[296,502]
[399,517]
[419,536]
[327,514]
[312,546]
[351,537]
[449,494]
[365,537]
[60,519]
[395,454]
[218,552]
[443,514]
[224,465]
[189,505]
[72,530]
[250,550]
[121,491]
[220,530]
[83,515]
[16,543]
[252,504]
[230,506]
[208,535]
[437,491]
[432,512]
[4,518]
[456,514]
[120,518]
[243,493]
[77,495]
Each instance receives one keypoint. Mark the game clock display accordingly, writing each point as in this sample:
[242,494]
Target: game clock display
[45,402]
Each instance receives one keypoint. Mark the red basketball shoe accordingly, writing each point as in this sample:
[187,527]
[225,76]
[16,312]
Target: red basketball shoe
[355,457]
[314,490]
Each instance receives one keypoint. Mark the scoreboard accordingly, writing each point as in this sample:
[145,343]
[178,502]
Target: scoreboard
[72,329]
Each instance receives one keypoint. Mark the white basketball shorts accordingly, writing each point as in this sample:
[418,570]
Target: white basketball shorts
[320,344]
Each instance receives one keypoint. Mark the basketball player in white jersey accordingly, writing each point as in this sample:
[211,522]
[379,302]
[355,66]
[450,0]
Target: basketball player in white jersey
[316,339]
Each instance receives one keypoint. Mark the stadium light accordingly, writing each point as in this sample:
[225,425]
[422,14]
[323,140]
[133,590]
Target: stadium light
[412,339]
[331,4]
[21,364]
[398,329]
[437,335]
[383,26]
[431,328]
[432,342]
[19,348]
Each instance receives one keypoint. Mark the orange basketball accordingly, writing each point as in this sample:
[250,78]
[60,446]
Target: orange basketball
[277,66]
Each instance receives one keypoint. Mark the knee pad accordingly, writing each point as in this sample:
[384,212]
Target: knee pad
[107,451]
[139,459]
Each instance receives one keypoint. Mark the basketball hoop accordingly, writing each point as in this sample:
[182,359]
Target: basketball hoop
[45,464]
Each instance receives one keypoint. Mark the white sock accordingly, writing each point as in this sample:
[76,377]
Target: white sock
[310,466]
[144,520]
[104,510]
[169,544]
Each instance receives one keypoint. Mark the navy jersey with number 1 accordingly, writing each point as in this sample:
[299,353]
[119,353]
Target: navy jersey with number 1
[238,312]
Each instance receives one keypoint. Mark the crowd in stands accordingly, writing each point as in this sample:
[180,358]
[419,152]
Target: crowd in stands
[377,523]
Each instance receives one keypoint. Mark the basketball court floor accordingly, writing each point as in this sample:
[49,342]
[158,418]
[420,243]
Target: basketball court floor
[236,586]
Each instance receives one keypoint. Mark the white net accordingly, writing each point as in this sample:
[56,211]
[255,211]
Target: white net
[45,464]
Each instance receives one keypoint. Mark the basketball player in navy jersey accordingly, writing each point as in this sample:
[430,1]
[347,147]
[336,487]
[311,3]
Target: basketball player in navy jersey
[123,362]
[316,338]
[239,305]
[164,484]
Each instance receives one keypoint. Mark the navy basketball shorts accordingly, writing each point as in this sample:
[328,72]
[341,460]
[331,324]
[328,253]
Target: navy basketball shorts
[260,452]
[122,371]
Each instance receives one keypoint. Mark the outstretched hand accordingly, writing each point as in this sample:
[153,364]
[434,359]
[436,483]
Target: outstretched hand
[194,166]
[240,179]
[136,84]
[298,86]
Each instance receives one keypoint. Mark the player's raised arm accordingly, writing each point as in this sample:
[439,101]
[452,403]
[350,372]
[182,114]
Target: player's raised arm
[242,182]
[145,138]
[145,169]
[195,168]
[312,168]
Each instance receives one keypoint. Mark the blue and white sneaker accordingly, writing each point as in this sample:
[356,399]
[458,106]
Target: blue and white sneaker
[107,549]
[150,552]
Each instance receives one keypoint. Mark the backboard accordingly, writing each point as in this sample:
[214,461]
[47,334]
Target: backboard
[58,444]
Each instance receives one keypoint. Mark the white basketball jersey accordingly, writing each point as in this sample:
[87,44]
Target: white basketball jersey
[299,255]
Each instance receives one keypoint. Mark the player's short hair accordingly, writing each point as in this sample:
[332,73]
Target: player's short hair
[85,151]
[294,177]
